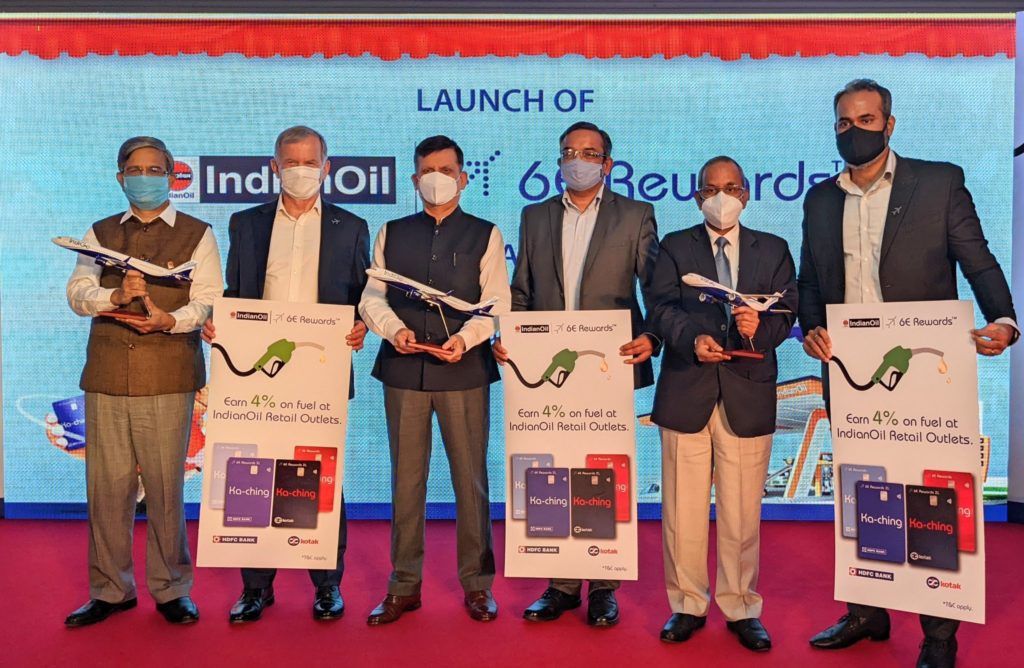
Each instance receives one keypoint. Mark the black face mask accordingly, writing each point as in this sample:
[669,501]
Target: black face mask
[858,146]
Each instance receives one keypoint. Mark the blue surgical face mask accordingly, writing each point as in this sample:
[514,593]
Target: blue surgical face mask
[582,175]
[146,192]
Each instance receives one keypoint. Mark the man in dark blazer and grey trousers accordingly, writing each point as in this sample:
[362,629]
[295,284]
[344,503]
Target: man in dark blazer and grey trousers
[717,412]
[891,229]
[585,250]
[298,248]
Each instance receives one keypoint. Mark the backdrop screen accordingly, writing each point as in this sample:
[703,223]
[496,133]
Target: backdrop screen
[670,94]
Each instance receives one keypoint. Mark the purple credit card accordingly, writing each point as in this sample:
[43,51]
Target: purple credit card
[247,492]
[219,469]
[547,502]
[70,414]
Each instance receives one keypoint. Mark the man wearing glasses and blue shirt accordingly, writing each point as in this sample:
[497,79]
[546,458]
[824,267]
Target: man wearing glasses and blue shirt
[585,250]
[140,379]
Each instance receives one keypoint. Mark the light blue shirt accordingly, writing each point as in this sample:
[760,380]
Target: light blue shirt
[577,230]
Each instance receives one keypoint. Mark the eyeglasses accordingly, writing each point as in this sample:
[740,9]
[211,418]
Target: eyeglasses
[587,154]
[707,192]
[135,170]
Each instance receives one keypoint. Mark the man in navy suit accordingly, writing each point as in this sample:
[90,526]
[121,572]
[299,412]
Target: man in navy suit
[717,411]
[892,229]
[298,248]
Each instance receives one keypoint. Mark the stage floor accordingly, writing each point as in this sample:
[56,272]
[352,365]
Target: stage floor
[43,563]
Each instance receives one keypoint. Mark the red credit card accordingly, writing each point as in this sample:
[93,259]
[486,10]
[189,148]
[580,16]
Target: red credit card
[328,458]
[620,464]
[963,483]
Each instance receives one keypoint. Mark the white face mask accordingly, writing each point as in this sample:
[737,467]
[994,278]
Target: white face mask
[301,183]
[722,211]
[437,188]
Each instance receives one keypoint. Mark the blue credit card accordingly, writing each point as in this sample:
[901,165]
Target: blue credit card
[547,502]
[849,476]
[881,521]
[70,414]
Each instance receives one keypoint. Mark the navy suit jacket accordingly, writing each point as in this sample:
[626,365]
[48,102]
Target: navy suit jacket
[344,255]
[687,389]
[930,228]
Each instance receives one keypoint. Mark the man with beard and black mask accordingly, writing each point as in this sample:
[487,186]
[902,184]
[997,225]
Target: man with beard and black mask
[716,411]
[433,362]
[585,249]
[892,229]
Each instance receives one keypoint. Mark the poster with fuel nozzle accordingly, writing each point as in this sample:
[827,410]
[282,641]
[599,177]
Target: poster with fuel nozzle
[278,407]
[906,439]
[570,444]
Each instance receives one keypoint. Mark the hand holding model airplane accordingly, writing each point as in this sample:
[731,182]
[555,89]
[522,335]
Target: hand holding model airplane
[434,297]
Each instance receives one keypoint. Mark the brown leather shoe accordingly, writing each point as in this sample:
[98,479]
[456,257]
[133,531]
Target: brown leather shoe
[481,605]
[391,608]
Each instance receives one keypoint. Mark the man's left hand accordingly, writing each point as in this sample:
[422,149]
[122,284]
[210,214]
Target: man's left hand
[455,346]
[638,350]
[992,339]
[158,320]
[747,320]
[356,336]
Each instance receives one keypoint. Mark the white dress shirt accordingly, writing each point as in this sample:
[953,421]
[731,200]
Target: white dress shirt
[577,231]
[382,320]
[293,262]
[731,250]
[87,298]
[864,214]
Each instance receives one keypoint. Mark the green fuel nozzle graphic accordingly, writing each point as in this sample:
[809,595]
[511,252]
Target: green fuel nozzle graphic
[278,354]
[895,364]
[563,363]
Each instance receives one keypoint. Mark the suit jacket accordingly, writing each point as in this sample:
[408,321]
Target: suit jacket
[344,255]
[688,389]
[621,252]
[930,228]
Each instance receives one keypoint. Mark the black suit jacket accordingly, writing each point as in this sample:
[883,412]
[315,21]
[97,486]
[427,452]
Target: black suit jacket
[688,389]
[344,255]
[930,228]
[621,252]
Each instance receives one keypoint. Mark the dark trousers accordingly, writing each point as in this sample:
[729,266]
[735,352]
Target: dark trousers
[935,628]
[262,578]
[575,587]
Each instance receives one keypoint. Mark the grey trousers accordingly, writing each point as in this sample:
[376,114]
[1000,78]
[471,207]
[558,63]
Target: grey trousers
[126,436]
[464,419]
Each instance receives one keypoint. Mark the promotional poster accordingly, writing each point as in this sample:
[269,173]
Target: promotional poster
[278,408]
[570,445]
[905,431]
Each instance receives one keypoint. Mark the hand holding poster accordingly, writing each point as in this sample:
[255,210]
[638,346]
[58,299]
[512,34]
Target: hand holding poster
[906,436]
[571,446]
[276,428]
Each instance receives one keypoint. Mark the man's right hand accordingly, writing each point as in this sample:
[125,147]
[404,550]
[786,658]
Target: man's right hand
[209,332]
[499,351]
[818,344]
[403,338]
[708,351]
[132,285]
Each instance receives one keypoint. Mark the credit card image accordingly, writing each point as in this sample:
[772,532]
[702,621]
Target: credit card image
[849,475]
[623,480]
[547,502]
[70,414]
[593,503]
[931,527]
[328,458]
[519,464]
[963,483]
[296,494]
[248,485]
[219,468]
[881,521]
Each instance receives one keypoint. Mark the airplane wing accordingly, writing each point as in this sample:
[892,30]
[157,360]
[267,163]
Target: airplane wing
[412,288]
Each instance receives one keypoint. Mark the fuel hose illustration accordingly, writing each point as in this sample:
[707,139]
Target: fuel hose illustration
[562,364]
[894,366]
[278,354]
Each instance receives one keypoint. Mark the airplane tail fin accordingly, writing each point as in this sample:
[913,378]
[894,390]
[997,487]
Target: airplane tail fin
[183,272]
[484,307]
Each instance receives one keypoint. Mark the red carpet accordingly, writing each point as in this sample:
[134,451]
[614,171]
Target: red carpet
[45,578]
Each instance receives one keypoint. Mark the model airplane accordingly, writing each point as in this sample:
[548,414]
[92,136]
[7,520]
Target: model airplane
[416,290]
[108,258]
[716,292]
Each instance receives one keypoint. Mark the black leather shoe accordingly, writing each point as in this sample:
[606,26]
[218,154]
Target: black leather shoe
[602,608]
[680,626]
[852,628]
[179,611]
[96,611]
[250,604]
[937,653]
[328,603]
[751,633]
[550,606]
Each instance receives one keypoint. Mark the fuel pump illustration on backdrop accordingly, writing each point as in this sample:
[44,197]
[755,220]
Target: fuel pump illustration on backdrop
[895,364]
